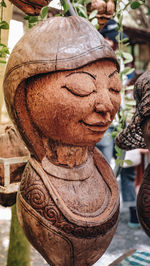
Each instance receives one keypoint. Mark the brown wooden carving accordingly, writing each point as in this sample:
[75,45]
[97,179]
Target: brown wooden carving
[105,9]
[137,135]
[62,92]
[30,7]
[66,216]
[143,199]
[11,146]
[143,202]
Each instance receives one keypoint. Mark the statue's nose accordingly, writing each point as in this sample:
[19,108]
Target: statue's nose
[104,111]
[103,104]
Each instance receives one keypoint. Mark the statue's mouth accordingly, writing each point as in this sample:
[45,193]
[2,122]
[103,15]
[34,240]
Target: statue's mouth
[97,126]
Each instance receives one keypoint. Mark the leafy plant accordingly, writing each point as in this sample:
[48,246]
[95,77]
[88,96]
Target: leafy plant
[124,58]
[33,20]
[65,5]
[81,9]
[4,51]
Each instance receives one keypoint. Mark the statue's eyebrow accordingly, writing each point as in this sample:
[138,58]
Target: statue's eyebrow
[111,75]
[81,72]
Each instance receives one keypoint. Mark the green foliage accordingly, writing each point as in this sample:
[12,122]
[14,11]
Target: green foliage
[44,12]
[136,4]
[124,58]
[93,14]
[33,20]
[4,25]
[80,7]
[65,5]
[3,4]
[122,6]
[4,51]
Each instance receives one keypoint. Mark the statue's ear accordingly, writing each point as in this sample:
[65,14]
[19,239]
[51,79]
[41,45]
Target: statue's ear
[25,125]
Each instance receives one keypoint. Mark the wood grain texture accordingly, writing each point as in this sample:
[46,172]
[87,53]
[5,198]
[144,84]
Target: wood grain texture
[55,51]
[48,219]
[62,91]
[143,202]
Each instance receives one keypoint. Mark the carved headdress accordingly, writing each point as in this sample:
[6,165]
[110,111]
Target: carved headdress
[132,136]
[56,44]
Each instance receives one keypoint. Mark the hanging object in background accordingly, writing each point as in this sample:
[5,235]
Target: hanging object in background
[105,9]
[30,7]
[13,158]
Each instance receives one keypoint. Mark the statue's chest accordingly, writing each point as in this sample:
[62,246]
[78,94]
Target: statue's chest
[69,205]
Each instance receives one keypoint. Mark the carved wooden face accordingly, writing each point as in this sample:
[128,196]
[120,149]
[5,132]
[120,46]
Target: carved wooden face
[77,106]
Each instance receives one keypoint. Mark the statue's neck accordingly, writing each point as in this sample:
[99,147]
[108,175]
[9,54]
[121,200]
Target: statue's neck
[64,154]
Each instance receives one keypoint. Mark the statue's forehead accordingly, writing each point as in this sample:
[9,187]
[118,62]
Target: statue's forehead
[97,66]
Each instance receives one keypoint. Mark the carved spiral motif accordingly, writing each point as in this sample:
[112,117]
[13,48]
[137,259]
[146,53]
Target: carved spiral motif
[35,195]
[143,202]
[67,227]
[52,214]
[144,196]
[38,197]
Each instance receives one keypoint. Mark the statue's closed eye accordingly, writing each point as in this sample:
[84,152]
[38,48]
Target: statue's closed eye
[79,85]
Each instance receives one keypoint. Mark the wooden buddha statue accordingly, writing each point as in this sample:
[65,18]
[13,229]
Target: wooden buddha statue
[62,91]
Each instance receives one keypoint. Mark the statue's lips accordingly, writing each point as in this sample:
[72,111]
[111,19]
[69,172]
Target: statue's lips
[98,126]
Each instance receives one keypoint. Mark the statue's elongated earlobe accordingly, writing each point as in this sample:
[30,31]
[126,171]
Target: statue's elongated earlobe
[26,127]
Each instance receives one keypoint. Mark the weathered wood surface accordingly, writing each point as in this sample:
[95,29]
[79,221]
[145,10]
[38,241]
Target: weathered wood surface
[62,93]
[143,202]
[143,199]
[68,222]
[11,166]
[137,135]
